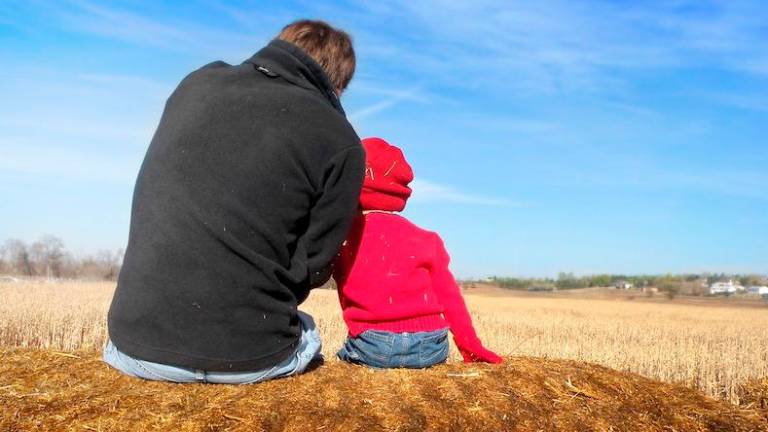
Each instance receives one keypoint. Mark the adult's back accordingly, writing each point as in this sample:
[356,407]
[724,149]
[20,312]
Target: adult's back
[241,204]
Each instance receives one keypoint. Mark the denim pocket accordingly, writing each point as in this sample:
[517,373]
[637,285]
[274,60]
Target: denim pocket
[374,347]
[433,349]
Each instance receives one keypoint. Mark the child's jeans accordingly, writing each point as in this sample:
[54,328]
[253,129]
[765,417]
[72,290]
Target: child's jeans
[308,350]
[383,349]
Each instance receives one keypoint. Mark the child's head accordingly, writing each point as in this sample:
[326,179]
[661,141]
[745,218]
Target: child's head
[387,175]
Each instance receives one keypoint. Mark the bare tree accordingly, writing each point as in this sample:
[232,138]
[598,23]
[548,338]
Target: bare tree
[48,257]
[19,258]
[48,253]
[110,262]
[5,265]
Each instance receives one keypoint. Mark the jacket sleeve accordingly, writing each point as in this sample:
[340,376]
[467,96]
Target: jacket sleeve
[455,310]
[332,213]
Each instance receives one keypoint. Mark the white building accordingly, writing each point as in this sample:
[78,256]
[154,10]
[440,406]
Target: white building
[725,288]
[758,290]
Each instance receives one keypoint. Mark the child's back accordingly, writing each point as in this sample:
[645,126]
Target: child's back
[388,262]
[398,297]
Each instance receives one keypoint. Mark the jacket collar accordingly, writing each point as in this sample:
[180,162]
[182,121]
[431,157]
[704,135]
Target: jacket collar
[296,66]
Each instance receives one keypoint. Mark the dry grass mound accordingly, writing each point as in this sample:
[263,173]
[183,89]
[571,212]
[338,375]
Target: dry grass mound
[46,390]
[754,395]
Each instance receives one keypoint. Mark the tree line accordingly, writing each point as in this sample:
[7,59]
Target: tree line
[48,257]
[691,283]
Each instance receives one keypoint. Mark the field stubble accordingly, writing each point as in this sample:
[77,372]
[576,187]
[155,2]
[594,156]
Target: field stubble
[715,349]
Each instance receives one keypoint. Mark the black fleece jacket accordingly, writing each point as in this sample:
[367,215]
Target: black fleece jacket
[244,197]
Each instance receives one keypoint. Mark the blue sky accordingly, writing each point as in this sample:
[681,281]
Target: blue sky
[584,136]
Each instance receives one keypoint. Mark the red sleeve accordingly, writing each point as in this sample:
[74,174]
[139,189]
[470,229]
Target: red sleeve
[456,313]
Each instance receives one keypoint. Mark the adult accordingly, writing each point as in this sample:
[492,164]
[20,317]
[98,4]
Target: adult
[246,192]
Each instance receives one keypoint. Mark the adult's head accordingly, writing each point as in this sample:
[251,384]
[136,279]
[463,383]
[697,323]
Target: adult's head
[328,46]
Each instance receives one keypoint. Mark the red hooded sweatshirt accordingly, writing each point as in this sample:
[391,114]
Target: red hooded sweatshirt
[393,275]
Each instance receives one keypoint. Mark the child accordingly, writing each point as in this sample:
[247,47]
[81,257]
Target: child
[398,297]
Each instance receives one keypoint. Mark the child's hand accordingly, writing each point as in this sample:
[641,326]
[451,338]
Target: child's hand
[480,354]
[472,350]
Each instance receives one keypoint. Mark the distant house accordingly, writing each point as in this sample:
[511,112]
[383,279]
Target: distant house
[726,288]
[622,284]
[760,290]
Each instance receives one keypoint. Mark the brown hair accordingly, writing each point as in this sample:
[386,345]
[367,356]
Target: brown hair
[330,47]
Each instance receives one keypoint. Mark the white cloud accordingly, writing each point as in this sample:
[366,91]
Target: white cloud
[370,110]
[559,46]
[731,182]
[415,94]
[394,97]
[753,102]
[169,33]
[507,124]
[62,163]
[110,81]
[425,191]
[97,110]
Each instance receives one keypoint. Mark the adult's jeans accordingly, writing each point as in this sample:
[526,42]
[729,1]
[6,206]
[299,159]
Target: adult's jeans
[307,351]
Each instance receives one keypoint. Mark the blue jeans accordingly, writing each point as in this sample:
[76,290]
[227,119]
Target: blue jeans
[383,349]
[307,351]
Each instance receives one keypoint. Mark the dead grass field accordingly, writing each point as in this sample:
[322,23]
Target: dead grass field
[714,349]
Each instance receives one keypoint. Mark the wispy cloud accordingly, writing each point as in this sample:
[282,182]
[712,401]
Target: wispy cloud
[730,182]
[625,174]
[415,93]
[425,191]
[81,110]
[65,164]
[394,97]
[169,32]
[507,124]
[750,102]
[124,25]
[559,46]
[131,81]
